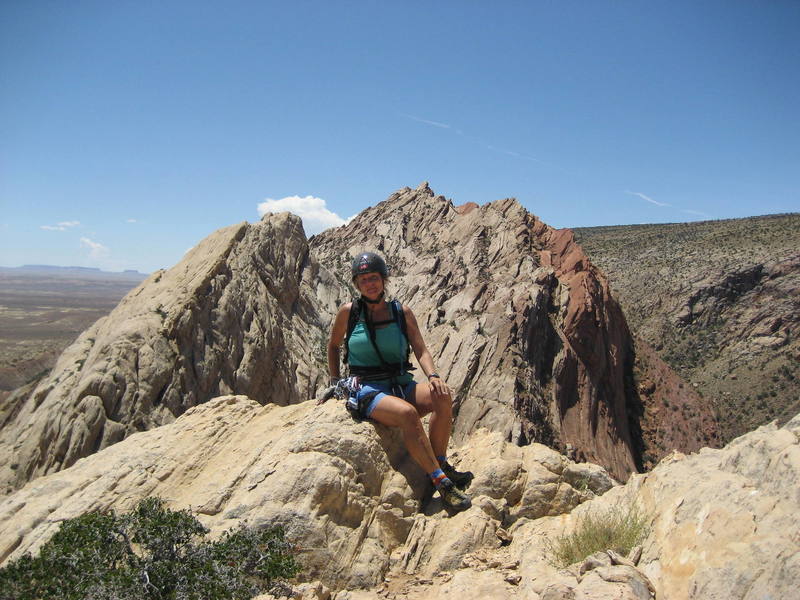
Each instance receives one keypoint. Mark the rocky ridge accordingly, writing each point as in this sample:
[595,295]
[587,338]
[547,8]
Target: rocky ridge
[357,509]
[194,390]
[243,312]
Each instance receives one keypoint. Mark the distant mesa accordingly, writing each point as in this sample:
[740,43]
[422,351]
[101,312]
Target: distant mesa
[56,268]
[74,270]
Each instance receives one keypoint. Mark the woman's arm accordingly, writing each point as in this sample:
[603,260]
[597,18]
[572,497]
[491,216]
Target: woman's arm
[422,353]
[338,331]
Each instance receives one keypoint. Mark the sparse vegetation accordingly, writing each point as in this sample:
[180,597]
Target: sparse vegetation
[582,485]
[618,528]
[708,297]
[149,553]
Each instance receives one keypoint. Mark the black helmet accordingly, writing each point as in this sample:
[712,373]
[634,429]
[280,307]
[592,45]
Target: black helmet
[369,262]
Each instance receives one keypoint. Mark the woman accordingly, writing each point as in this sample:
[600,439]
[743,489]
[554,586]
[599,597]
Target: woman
[383,390]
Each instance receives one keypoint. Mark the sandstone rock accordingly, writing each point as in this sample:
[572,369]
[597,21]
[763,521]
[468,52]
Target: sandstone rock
[355,505]
[347,492]
[675,416]
[304,591]
[622,582]
[722,522]
[598,559]
[617,559]
[521,323]
[588,476]
[244,312]
[635,555]
[558,591]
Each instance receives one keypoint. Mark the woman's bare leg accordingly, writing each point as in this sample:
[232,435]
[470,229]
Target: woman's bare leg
[396,412]
[441,421]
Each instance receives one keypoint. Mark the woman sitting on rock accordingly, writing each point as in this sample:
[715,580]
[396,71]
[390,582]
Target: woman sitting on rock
[380,387]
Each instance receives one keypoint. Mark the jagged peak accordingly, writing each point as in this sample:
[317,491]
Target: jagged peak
[278,217]
[425,188]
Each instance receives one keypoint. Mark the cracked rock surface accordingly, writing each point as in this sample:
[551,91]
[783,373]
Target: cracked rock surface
[722,523]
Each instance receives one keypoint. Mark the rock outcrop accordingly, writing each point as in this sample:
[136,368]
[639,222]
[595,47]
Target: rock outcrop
[244,312]
[516,317]
[195,389]
[721,522]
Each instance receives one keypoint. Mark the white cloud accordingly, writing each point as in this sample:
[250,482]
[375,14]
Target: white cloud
[96,250]
[647,198]
[315,215]
[131,221]
[62,226]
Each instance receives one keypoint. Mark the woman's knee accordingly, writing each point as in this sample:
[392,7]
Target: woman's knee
[396,412]
[409,418]
[442,404]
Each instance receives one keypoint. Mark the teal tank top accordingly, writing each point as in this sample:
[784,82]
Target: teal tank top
[391,342]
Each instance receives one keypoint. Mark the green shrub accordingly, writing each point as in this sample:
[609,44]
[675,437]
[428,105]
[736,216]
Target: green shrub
[151,552]
[617,528]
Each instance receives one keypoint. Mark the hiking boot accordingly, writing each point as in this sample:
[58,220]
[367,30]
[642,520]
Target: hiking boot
[462,479]
[454,498]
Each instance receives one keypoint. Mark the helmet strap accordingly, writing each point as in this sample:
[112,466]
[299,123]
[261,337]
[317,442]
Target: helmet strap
[378,299]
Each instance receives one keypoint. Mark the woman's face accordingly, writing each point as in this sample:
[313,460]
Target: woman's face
[370,285]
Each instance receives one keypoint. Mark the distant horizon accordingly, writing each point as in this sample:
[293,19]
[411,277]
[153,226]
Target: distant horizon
[75,267]
[52,266]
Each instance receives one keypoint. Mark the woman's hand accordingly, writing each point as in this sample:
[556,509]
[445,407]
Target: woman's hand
[438,387]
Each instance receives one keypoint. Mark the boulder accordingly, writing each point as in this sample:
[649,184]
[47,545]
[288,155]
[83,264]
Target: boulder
[721,523]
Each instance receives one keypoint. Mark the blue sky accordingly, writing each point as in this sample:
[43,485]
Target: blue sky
[130,130]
